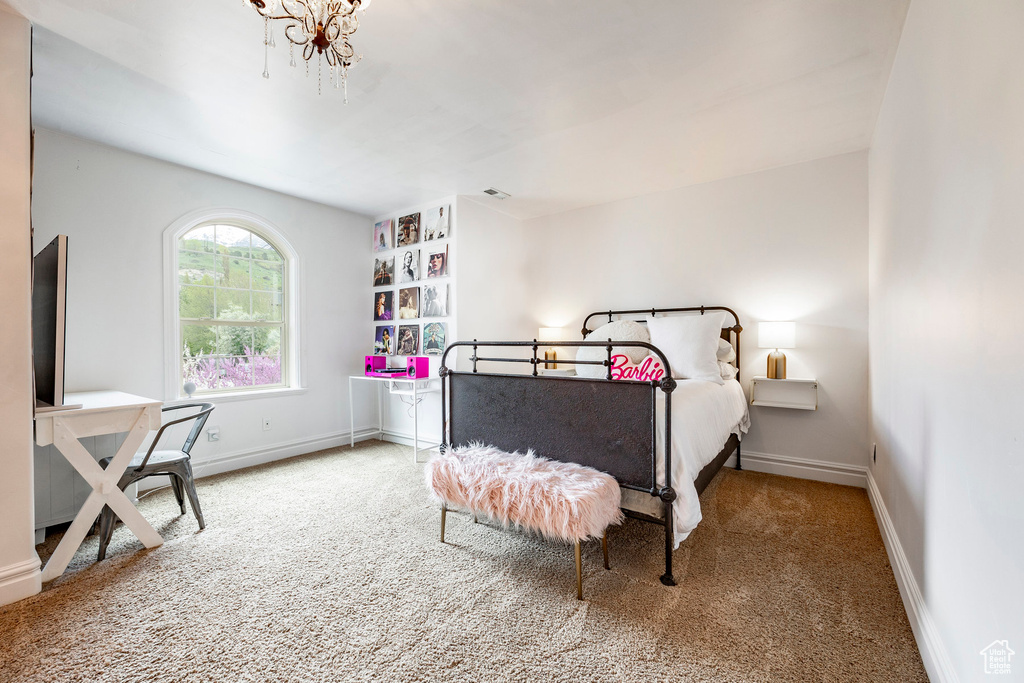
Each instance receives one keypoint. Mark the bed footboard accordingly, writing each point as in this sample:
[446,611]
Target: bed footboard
[610,425]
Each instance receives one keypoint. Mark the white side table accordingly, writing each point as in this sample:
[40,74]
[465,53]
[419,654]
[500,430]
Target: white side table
[101,412]
[801,394]
[397,386]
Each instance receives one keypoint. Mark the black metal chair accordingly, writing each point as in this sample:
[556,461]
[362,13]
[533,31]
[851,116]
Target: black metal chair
[175,463]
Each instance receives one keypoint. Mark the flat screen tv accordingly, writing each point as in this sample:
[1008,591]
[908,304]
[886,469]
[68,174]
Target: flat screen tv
[49,297]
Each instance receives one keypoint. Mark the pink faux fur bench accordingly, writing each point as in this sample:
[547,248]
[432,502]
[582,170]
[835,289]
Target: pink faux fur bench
[558,500]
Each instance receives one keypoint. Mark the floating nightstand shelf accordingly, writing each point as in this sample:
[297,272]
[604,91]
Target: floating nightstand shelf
[560,372]
[801,394]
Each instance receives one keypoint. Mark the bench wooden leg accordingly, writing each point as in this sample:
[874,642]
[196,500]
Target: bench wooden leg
[579,572]
[604,546]
[444,514]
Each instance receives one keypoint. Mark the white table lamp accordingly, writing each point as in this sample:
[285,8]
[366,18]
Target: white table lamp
[777,335]
[550,334]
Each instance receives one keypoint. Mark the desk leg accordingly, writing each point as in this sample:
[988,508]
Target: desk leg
[105,492]
[73,537]
[351,414]
[415,423]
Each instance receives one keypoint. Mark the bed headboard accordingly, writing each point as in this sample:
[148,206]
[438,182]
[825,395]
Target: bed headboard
[730,333]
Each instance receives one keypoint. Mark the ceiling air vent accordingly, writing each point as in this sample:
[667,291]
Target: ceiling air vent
[497,193]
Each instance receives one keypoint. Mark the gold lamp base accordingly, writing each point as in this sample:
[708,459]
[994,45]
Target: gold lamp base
[776,365]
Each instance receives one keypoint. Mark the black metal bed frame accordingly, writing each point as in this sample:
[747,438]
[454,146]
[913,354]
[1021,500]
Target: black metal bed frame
[598,422]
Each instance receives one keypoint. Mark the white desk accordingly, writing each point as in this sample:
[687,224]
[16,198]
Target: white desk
[101,412]
[416,388]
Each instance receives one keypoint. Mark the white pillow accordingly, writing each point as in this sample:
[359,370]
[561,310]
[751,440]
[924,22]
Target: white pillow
[620,330]
[728,370]
[690,342]
[726,353]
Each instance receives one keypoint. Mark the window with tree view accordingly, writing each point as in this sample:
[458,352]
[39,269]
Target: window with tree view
[231,300]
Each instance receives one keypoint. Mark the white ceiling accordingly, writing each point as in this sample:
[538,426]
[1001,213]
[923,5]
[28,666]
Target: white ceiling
[561,103]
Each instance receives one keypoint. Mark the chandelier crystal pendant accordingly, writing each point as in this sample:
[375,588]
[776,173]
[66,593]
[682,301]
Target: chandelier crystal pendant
[318,27]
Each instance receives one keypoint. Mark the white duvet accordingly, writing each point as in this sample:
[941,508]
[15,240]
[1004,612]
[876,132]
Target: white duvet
[704,414]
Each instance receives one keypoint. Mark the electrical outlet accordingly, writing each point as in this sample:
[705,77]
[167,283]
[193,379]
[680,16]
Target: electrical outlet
[874,452]
[213,433]
[266,424]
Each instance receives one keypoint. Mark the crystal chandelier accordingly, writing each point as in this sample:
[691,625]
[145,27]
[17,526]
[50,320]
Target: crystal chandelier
[320,27]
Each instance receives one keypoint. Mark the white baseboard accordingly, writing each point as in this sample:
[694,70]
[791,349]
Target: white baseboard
[929,641]
[19,581]
[242,459]
[249,458]
[427,441]
[817,470]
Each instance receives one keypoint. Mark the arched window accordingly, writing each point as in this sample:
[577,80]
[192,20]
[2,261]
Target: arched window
[232,306]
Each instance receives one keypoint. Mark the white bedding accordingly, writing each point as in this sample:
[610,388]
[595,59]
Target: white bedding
[704,414]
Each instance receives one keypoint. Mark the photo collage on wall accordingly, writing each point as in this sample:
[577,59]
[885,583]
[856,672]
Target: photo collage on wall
[411,270]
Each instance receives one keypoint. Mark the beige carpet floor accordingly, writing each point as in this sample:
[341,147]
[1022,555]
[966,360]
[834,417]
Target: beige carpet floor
[327,567]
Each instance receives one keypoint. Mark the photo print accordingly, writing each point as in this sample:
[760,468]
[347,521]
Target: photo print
[383,271]
[409,266]
[436,224]
[408,340]
[384,341]
[383,235]
[435,301]
[437,265]
[433,339]
[384,305]
[408,230]
[409,303]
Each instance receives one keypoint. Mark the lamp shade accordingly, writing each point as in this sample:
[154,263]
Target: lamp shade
[548,334]
[776,335]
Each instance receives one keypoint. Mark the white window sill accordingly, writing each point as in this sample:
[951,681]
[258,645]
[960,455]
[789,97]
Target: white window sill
[228,397]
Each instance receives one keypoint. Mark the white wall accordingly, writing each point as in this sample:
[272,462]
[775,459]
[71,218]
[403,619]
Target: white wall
[784,244]
[946,254]
[495,275]
[115,206]
[19,566]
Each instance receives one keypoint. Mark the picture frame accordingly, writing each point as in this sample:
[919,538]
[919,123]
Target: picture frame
[437,223]
[384,271]
[410,266]
[407,232]
[437,264]
[384,305]
[434,300]
[384,340]
[409,303]
[408,340]
[434,339]
[383,235]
